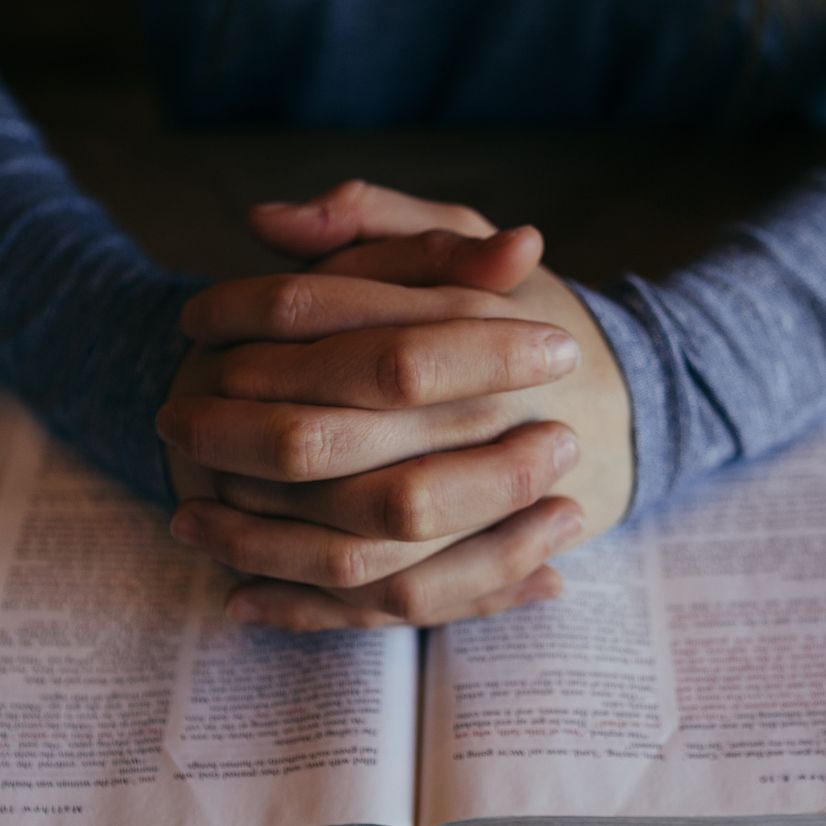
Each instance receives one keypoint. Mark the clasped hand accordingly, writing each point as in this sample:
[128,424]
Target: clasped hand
[376,439]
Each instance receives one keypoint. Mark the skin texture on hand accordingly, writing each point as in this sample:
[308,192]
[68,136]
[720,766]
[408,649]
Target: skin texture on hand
[592,400]
[421,503]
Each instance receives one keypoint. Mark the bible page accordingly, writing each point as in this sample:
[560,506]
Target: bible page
[681,674]
[126,698]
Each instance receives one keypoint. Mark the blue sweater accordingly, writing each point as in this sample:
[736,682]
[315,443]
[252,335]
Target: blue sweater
[725,359]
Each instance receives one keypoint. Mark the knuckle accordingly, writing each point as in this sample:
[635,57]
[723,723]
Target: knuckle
[290,301]
[521,484]
[347,202]
[515,561]
[404,374]
[408,509]
[510,364]
[346,566]
[350,192]
[303,449]
[405,597]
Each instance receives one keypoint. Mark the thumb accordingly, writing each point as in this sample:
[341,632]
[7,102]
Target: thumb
[439,257]
[357,211]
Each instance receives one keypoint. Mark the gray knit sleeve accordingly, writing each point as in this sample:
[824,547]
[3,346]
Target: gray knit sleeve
[726,358]
[88,324]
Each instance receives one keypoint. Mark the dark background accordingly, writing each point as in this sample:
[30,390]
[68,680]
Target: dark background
[644,201]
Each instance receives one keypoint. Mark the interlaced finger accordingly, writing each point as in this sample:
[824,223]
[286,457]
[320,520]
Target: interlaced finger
[425,498]
[390,368]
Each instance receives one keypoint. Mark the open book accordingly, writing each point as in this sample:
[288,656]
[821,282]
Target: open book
[683,673]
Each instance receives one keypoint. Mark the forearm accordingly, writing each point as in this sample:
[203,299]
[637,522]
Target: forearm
[727,358]
[88,323]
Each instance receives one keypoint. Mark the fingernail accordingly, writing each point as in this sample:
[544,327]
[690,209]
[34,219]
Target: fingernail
[561,354]
[243,611]
[565,453]
[186,528]
[565,526]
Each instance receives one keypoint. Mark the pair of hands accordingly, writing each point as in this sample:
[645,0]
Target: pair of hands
[378,439]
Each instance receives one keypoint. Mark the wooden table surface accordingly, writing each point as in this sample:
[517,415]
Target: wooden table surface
[606,203]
